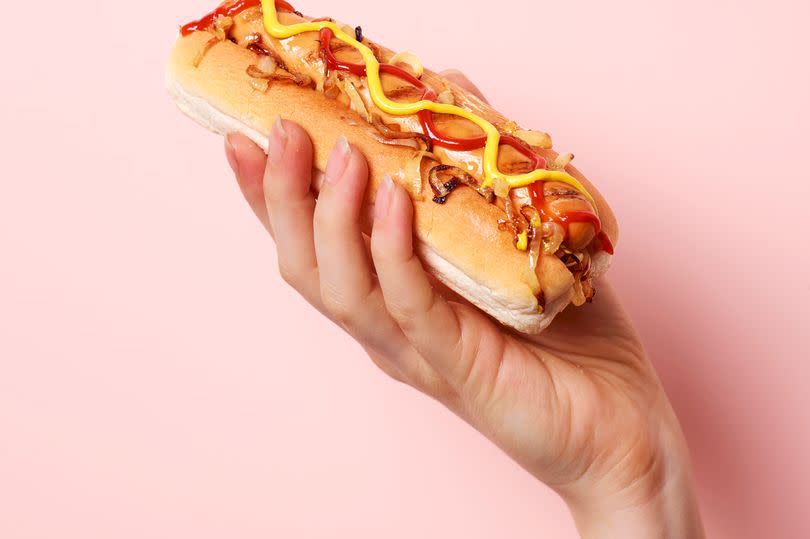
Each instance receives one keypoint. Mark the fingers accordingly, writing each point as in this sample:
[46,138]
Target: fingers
[290,205]
[322,251]
[429,322]
[349,291]
[339,245]
[457,77]
[248,162]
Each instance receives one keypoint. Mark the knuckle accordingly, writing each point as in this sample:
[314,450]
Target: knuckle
[322,218]
[380,247]
[274,190]
[437,388]
[404,314]
[395,375]
[388,363]
[329,217]
[336,305]
[407,311]
[290,275]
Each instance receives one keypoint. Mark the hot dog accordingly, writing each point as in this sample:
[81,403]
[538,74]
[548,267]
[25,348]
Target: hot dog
[501,218]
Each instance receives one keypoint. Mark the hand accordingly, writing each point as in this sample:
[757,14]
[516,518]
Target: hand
[578,406]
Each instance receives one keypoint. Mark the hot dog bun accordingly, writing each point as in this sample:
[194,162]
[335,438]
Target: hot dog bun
[459,242]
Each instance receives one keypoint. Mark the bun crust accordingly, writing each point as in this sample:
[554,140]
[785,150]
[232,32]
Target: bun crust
[459,242]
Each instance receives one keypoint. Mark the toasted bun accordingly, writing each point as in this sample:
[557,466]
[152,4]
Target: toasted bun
[459,242]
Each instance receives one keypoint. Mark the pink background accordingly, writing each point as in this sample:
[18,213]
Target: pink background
[157,379]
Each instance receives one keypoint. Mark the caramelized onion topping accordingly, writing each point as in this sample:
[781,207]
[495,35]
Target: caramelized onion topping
[587,289]
[356,102]
[375,50]
[404,142]
[267,64]
[296,78]
[534,138]
[259,49]
[413,169]
[391,134]
[279,75]
[256,73]
[544,238]
[535,250]
[260,85]
[541,302]
[444,178]
[330,86]
[553,235]
[222,25]
[409,59]
[532,215]
[579,295]
[579,264]
[516,217]
[250,39]
[404,92]
[562,160]
[446,97]
[515,222]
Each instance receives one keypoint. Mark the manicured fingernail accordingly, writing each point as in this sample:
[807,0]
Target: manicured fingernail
[383,200]
[230,153]
[337,161]
[278,141]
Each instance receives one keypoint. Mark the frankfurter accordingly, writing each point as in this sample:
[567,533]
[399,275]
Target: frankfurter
[500,217]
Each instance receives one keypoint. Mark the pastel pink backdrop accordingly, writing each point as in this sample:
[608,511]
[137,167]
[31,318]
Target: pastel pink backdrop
[157,379]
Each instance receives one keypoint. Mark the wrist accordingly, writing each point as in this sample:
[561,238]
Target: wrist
[672,515]
[666,508]
[658,500]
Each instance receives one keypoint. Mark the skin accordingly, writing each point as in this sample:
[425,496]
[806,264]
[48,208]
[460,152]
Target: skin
[578,406]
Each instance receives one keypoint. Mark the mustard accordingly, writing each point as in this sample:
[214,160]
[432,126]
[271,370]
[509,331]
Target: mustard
[490,162]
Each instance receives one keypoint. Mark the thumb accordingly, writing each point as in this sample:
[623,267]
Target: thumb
[248,163]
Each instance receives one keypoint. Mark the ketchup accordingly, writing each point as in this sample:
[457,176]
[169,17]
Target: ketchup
[538,199]
[425,116]
[448,141]
[229,10]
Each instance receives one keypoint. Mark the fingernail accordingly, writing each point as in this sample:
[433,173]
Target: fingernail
[337,161]
[230,153]
[278,141]
[383,200]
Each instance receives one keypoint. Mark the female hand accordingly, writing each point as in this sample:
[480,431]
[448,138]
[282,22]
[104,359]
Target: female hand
[578,406]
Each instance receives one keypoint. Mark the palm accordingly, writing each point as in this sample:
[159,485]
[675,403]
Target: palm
[568,404]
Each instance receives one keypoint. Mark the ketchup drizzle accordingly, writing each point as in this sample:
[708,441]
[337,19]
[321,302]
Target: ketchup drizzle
[425,116]
[229,10]
[538,198]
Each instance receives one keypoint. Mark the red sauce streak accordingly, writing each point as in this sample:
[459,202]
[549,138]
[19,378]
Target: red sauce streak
[538,199]
[425,116]
[229,10]
[604,242]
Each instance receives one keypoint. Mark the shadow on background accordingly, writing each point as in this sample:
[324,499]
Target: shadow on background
[687,342]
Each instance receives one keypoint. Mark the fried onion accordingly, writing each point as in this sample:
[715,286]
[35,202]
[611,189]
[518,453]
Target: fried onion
[444,178]
[398,138]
